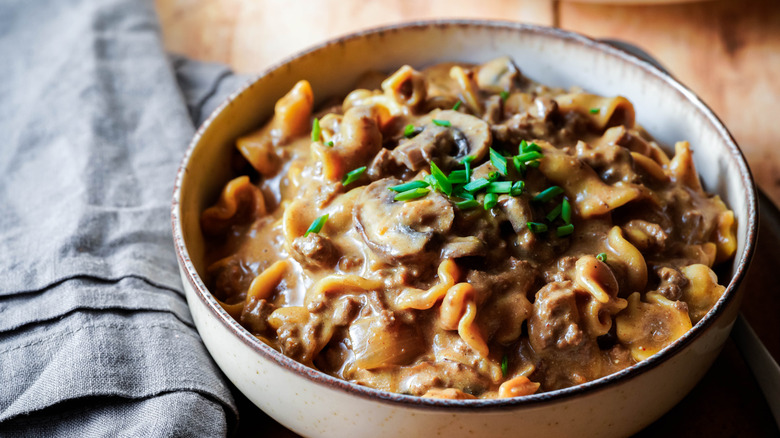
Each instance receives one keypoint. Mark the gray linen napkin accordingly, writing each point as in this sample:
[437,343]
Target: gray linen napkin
[95,335]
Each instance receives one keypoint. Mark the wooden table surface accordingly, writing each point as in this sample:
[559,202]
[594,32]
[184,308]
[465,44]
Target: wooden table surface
[728,52]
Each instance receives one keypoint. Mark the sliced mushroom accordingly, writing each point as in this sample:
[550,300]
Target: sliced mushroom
[423,148]
[463,247]
[518,212]
[466,135]
[396,229]
[500,74]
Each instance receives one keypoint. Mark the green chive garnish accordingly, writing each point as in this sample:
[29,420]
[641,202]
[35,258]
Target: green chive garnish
[566,211]
[458,177]
[490,200]
[528,156]
[517,188]
[410,131]
[504,365]
[564,230]
[456,106]
[441,180]
[463,194]
[316,226]
[476,185]
[467,204]
[411,194]
[595,110]
[500,187]
[533,164]
[548,194]
[602,257]
[353,176]
[537,227]
[442,123]
[498,160]
[468,170]
[504,95]
[492,176]
[529,147]
[330,143]
[554,213]
[315,130]
[411,185]
[466,159]
[519,165]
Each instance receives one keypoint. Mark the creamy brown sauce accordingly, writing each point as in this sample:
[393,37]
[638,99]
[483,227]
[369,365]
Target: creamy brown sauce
[441,296]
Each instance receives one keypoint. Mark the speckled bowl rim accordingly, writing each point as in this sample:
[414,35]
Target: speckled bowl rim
[319,378]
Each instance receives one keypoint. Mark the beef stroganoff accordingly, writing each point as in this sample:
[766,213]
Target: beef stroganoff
[464,232]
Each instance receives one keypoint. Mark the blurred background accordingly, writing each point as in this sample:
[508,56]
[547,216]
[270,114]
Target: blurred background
[726,51]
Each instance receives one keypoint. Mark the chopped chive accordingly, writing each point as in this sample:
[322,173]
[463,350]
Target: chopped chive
[411,185]
[464,195]
[504,365]
[467,159]
[528,156]
[456,106]
[533,164]
[315,130]
[519,165]
[504,95]
[548,194]
[500,187]
[564,230]
[411,130]
[468,170]
[353,176]
[467,204]
[458,177]
[476,185]
[566,211]
[316,226]
[602,257]
[517,188]
[537,227]
[441,180]
[490,200]
[492,176]
[554,213]
[529,147]
[411,194]
[442,123]
[498,160]
[595,110]
[330,143]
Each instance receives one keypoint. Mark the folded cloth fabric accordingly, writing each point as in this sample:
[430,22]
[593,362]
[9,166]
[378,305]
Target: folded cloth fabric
[95,335]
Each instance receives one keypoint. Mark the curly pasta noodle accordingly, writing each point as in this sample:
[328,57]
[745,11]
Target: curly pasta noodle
[458,311]
[626,254]
[425,299]
[263,285]
[339,283]
[239,191]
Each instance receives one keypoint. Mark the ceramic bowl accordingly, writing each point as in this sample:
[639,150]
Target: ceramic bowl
[314,404]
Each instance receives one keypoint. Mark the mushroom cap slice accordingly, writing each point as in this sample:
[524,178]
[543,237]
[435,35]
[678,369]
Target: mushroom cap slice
[466,135]
[396,229]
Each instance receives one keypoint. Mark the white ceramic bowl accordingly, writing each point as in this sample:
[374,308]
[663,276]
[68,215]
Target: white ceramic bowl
[314,404]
